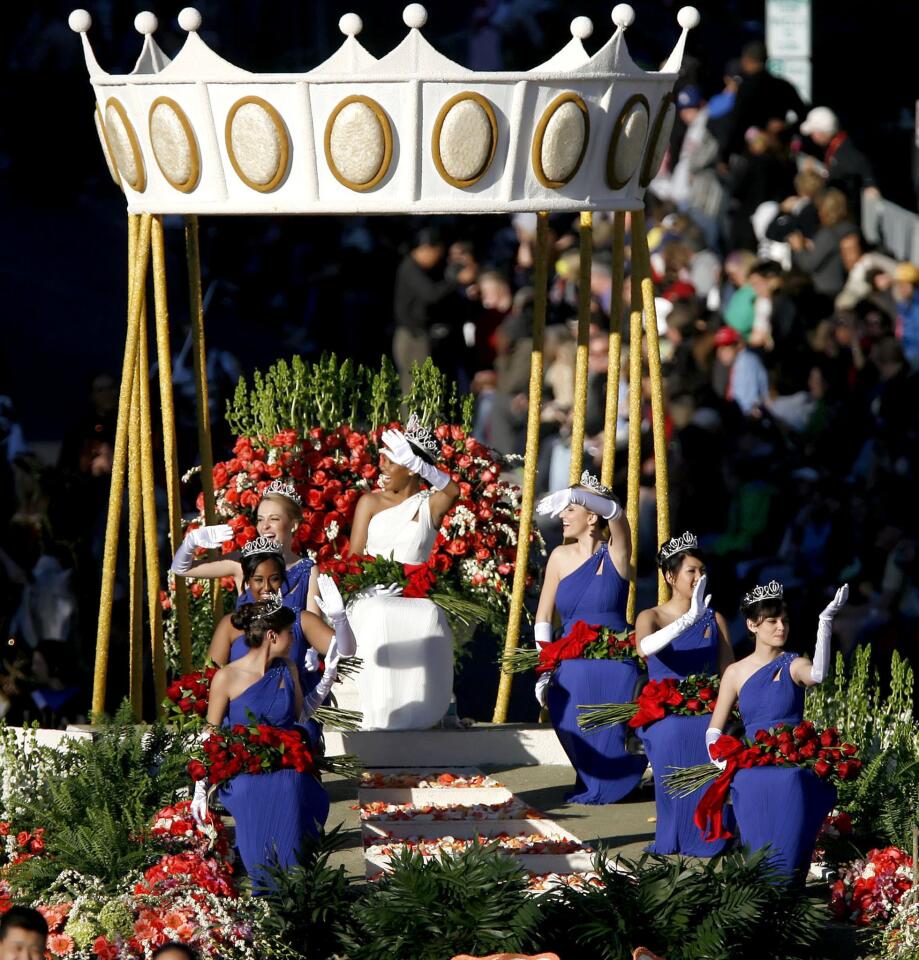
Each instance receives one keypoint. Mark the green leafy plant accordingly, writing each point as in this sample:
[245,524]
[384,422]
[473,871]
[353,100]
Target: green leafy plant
[311,902]
[475,902]
[728,907]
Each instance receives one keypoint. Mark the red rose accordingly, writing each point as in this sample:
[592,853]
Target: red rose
[250,499]
[785,736]
[694,706]
[369,471]
[849,749]
[829,737]
[221,476]
[457,547]
[441,562]
[843,770]
[315,499]
[786,748]
[197,771]
[706,693]
[809,749]
[4,828]
[822,768]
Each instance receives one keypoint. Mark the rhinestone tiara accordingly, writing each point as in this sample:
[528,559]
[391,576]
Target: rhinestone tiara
[272,603]
[773,590]
[421,436]
[593,483]
[282,488]
[262,545]
[689,541]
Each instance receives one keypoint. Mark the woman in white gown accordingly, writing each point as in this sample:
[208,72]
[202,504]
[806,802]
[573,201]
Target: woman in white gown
[406,644]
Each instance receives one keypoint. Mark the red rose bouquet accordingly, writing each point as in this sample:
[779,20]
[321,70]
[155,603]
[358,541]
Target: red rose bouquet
[187,697]
[868,891]
[693,697]
[583,641]
[258,748]
[781,746]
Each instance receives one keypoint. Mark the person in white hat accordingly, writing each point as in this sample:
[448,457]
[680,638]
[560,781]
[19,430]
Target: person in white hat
[847,167]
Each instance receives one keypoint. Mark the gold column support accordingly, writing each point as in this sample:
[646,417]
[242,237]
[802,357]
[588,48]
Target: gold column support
[135,518]
[661,471]
[151,545]
[611,417]
[540,284]
[199,362]
[138,270]
[635,365]
[170,453]
[580,366]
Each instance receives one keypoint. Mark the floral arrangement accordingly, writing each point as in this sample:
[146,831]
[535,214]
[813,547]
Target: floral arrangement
[511,809]
[297,423]
[583,641]
[694,696]
[22,845]
[187,697]
[868,891]
[176,829]
[901,936]
[522,843]
[258,748]
[785,745]
[378,780]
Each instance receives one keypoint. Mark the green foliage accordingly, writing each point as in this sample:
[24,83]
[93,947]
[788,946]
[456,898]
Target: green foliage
[97,806]
[728,907]
[884,800]
[329,393]
[475,903]
[310,903]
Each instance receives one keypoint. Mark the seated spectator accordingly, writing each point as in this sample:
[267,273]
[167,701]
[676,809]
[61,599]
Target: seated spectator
[747,382]
[906,297]
[23,934]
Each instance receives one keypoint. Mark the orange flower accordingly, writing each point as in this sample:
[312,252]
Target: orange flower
[60,945]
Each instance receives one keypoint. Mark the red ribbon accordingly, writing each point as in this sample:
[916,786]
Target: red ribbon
[709,815]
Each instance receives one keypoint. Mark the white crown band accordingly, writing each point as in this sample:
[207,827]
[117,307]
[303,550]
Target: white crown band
[271,602]
[593,483]
[689,541]
[421,436]
[281,488]
[773,590]
[262,545]
[412,132]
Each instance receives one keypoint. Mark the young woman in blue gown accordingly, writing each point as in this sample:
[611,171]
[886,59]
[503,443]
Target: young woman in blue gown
[781,808]
[274,811]
[681,637]
[587,579]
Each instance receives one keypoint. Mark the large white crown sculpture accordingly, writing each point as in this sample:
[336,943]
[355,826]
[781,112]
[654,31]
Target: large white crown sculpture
[412,132]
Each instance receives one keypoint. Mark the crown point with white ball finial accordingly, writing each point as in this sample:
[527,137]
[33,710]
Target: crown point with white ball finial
[623,15]
[350,24]
[414,16]
[80,21]
[146,23]
[581,28]
[189,19]
[688,18]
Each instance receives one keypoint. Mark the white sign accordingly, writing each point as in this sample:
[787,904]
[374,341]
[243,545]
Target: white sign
[797,71]
[788,28]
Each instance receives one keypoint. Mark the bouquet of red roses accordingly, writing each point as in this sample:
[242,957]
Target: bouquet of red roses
[781,746]
[258,748]
[693,697]
[583,641]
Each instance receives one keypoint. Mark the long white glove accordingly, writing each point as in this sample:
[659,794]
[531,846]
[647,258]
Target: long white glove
[317,695]
[825,633]
[207,537]
[377,590]
[331,604]
[554,503]
[711,738]
[199,803]
[311,661]
[656,641]
[542,634]
[398,449]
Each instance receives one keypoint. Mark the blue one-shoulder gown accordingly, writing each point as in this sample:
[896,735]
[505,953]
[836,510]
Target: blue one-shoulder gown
[680,741]
[273,811]
[779,807]
[596,594]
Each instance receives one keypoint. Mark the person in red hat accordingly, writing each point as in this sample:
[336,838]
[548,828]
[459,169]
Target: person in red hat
[748,384]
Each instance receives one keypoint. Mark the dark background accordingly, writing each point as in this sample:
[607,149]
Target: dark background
[301,285]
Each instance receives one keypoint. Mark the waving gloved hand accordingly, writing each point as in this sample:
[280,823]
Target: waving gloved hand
[656,641]
[400,451]
[821,662]
[207,537]
[553,504]
[331,604]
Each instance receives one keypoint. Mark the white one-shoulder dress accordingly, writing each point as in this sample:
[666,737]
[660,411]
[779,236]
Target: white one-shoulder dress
[406,644]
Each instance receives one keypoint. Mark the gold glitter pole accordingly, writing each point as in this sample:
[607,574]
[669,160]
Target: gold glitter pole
[155,611]
[540,284]
[135,518]
[116,492]
[661,472]
[634,424]
[611,417]
[579,412]
[196,315]
[170,454]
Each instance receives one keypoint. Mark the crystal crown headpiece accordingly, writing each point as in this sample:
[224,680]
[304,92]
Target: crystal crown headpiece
[773,590]
[272,603]
[262,545]
[410,133]
[283,488]
[421,436]
[689,541]
[593,483]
